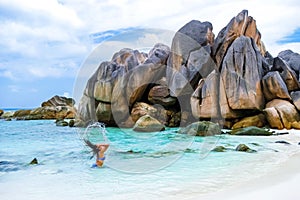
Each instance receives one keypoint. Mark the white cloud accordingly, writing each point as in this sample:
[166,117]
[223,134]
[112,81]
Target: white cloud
[275,19]
[50,38]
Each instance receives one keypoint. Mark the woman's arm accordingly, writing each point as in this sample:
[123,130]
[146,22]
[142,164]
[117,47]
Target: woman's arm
[104,147]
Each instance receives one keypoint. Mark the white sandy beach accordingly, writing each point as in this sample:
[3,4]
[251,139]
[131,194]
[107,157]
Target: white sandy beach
[281,183]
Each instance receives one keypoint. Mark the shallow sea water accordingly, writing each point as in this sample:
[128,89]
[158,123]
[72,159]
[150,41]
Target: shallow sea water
[162,165]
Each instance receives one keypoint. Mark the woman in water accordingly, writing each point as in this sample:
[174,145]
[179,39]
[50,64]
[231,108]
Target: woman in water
[98,150]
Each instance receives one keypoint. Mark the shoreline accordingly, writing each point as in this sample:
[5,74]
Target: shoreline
[277,184]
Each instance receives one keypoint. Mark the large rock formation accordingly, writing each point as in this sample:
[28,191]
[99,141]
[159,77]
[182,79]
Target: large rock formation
[55,108]
[58,101]
[191,44]
[292,59]
[118,84]
[230,78]
[241,73]
[282,114]
[274,87]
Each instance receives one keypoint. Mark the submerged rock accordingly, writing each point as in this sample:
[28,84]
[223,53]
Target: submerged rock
[61,122]
[251,130]
[244,148]
[71,123]
[283,142]
[219,149]
[34,162]
[201,128]
[147,123]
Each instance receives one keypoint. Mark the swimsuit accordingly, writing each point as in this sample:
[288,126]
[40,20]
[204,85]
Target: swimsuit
[103,158]
[99,162]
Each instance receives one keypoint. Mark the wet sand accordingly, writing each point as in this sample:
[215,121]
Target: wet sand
[281,183]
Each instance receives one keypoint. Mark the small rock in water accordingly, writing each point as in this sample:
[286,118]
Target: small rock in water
[61,122]
[255,144]
[188,150]
[282,133]
[201,128]
[71,123]
[147,123]
[244,148]
[282,142]
[34,162]
[251,130]
[219,149]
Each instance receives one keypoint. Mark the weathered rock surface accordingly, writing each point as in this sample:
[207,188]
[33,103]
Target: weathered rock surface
[251,130]
[187,43]
[104,113]
[100,86]
[58,112]
[147,123]
[240,25]
[19,114]
[1,112]
[201,128]
[237,88]
[257,120]
[281,114]
[160,94]
[118,84]
[140,109]
[287,74]
[204,100]
[59,101]
[292,59]
[7,115]
[241,75]
[274,86]
[296,99]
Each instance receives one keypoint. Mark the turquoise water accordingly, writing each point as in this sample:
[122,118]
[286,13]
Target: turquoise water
[161,165]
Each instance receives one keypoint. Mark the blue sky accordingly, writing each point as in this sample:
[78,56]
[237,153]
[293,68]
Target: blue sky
[44,43]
